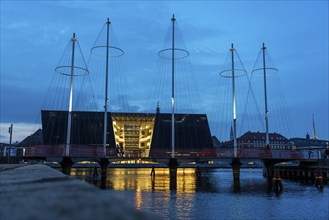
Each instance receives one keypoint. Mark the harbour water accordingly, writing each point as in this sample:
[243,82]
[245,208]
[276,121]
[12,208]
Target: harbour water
[212,195]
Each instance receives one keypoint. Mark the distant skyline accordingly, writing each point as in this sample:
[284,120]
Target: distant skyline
[34,35]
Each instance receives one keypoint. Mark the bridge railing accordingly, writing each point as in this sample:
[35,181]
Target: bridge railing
[75,151]
[45,150]
[187,153]
[259,153]
[98,151]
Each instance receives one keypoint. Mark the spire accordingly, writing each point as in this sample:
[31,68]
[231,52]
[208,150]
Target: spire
[231,133]
[314,137]
[158,108]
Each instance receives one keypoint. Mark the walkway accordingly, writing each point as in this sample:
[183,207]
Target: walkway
[40,192]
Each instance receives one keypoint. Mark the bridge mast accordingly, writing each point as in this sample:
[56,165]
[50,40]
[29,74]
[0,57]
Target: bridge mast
[69,117]
[235,145]
[265,95]
[173,89]
[106,83]
[169,54]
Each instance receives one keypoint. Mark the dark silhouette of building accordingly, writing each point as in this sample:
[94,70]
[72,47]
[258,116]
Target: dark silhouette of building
[309,142]
[258,140]
[311,147]
[34,139]
[192,134]
[139,134]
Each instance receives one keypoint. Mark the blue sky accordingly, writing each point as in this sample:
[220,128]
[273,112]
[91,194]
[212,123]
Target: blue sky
[34,35]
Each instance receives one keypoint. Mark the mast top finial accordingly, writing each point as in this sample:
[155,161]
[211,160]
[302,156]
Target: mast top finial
[264,48]
[108,21]
[232,48]
[73,38]
[158,107]
[173,18]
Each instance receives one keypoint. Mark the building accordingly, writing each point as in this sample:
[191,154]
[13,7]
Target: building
[12,150]
[258,140]
[34,139]
[138,134]
[311,147]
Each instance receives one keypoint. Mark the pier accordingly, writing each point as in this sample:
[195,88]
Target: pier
[40,192]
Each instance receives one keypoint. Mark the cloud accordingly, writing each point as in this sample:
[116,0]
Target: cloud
[31,46]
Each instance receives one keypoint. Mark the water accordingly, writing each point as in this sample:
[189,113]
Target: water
[213,195]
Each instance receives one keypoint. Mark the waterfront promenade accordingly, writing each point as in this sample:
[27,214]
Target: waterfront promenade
[40,192]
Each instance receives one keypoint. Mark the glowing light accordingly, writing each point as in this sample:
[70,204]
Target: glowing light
[138,199]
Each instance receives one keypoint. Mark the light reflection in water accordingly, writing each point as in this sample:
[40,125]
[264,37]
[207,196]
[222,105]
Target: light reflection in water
[213,195]
[141,179]
[133,179]
[138,199]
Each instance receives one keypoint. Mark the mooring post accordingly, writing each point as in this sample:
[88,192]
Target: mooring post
[277,183]
[198,171]
[269,173]
[318,178]
[173,165]
[104,163]
[236,164]
[66,165]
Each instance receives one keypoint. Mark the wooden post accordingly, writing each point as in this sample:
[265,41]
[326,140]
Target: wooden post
[236,164]
[173,165]
[269,173]
[66,165]
[277,183]
[104,164]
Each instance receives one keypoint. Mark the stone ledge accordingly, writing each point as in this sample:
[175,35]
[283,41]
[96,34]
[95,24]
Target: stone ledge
[4,167]
[40,192]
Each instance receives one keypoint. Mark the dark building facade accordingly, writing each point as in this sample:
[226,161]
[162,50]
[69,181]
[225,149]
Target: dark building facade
[311,147]
[192,134]
[34,139]
[309,142]
[86,128]
[258,140]
[139,134]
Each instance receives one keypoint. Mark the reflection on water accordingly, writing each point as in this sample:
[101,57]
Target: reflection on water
[141,179]
[138,199]
[212,180]
[213,195]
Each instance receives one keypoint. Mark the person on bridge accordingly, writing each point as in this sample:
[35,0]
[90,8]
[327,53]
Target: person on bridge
[153,173]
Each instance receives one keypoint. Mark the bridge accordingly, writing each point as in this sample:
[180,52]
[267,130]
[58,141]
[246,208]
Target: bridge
[78,153]
[94,153]
[183,158]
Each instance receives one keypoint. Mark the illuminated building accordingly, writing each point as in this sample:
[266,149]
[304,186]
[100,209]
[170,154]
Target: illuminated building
[138,134]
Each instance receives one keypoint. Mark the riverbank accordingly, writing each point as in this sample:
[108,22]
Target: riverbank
[40,192]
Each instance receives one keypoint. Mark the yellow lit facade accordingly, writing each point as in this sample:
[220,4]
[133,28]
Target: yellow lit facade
[133,133]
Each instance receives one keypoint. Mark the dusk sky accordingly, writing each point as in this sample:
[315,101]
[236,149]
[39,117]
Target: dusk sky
[34,35]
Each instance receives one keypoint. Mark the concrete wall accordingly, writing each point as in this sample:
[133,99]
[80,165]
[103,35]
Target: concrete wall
[40,192]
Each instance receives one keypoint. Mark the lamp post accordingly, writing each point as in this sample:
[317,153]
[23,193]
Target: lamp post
[10,130]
